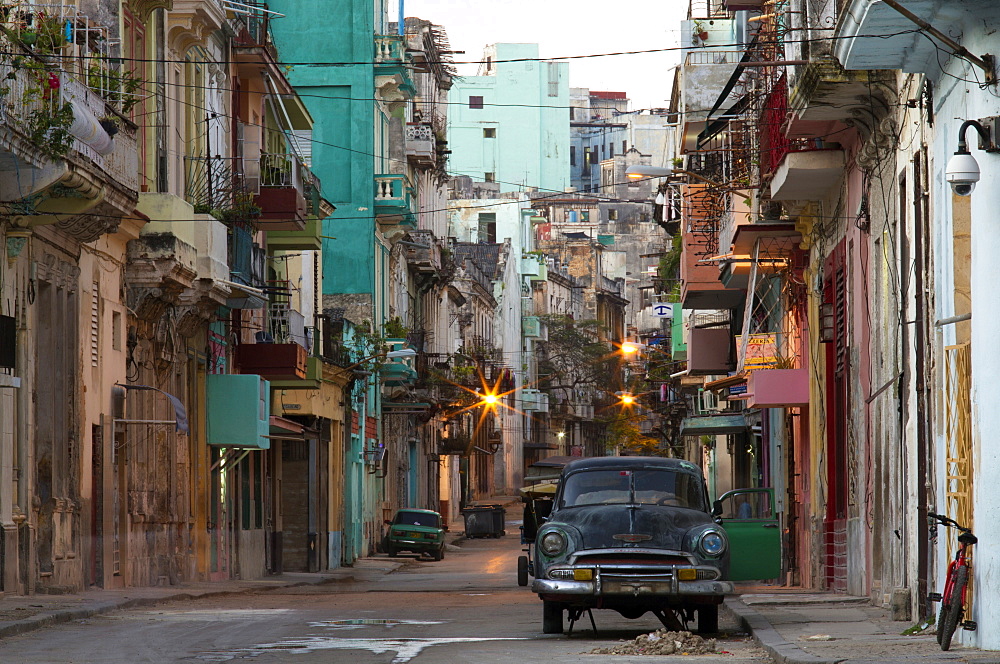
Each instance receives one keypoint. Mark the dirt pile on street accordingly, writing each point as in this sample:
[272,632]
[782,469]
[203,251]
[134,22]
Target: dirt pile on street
[661,642]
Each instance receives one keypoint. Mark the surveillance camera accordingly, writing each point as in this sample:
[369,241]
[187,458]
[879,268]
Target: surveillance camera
[962,173]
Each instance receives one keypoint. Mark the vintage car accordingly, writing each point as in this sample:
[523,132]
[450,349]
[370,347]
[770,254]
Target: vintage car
[417,531]
[637,535]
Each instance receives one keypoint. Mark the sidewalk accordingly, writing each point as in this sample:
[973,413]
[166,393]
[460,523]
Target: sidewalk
[801,627]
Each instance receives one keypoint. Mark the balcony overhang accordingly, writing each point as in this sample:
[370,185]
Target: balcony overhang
[807,176]
[826,95]
[873,35]
[747,235]
[307,239]
[713,425]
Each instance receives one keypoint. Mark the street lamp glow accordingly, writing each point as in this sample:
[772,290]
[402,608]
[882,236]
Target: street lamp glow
[639,172]
[561,434]
[628,399]
[490,399]
[628,348]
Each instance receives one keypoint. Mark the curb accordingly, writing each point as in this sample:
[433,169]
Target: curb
[768,638]
[58,616]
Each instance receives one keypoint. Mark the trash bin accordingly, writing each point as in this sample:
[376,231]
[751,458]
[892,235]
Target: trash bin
[483,520]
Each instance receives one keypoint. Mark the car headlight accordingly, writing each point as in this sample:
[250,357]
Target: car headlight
[553,543]
[712,543]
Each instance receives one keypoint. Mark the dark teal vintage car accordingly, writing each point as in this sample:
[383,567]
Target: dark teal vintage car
[634,535]
[417,531]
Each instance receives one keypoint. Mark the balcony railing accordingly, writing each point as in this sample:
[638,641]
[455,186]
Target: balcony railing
[393,199]
[421,145]
[246,259]
[216,184]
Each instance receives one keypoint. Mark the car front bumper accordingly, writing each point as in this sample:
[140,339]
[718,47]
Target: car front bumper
[632,586]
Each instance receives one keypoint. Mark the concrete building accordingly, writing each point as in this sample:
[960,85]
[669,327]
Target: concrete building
[508,123]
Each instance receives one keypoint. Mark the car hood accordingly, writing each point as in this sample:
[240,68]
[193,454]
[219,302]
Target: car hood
[598,524]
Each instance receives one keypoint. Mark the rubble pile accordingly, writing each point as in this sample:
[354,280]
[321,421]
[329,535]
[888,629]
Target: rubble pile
[661,642]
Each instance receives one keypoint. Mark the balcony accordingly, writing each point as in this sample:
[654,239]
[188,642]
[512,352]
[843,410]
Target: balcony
[701,214]
[394,200]
[872,35]
[534,400]
[246,267]
[307,239]
[531,327]
[397,373]
[282,198]
[72,170]
[276,362]
[393,83]
[421,145]
[710,351]
[807,175]
[778,388]
[423,253]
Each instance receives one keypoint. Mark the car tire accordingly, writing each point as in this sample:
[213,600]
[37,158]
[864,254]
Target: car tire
[552,617]
[522,570]
[438,554]
[391,550]
[708,619]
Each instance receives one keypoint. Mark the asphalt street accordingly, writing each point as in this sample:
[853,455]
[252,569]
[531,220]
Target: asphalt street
[466,608]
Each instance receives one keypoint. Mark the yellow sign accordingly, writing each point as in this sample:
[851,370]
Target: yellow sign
[762,352]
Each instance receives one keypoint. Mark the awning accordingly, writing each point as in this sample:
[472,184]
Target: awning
[713,425]
[282,428]
[728,381]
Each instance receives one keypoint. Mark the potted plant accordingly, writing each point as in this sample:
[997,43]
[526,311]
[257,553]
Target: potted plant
[700,31]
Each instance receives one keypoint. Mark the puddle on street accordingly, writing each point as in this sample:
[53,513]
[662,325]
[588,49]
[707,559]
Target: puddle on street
[367,622]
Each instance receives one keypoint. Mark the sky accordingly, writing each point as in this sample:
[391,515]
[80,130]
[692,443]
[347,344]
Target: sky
[563,28]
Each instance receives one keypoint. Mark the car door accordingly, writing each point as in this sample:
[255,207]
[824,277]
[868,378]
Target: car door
[749,520]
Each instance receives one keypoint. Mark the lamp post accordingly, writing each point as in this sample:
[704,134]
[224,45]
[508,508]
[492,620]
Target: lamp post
[641,172]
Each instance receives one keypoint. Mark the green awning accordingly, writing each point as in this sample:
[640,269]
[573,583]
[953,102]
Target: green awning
[713,425]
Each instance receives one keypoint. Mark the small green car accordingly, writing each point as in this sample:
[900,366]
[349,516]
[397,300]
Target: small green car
[418,531]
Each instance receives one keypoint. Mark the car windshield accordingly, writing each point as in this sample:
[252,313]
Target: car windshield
[644,487]
[416,519]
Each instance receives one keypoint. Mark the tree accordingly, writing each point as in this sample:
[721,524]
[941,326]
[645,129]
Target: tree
[573,357]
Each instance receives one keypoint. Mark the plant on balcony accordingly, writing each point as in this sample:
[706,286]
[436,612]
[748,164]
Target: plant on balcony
[39,32]
[394,328]
[47,120]
[119,88]
[700,32]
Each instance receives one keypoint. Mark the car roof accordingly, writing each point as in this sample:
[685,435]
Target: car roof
[629,462]
[416,509]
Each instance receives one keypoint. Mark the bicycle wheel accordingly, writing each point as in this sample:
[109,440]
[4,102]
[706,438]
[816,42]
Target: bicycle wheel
[951,609]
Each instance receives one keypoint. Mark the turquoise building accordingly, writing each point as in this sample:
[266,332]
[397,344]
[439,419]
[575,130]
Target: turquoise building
[352,74]
[510,124]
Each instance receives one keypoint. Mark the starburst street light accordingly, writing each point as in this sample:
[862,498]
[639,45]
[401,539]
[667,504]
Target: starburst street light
[630,348]
[489,399]
[627,399]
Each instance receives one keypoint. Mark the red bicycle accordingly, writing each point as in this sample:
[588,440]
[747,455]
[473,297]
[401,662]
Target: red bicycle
[956,582]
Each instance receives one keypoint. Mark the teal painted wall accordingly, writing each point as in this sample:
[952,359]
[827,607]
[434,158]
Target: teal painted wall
[531,119]
[340,97]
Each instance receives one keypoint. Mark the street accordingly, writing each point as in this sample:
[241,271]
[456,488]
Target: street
[466,608]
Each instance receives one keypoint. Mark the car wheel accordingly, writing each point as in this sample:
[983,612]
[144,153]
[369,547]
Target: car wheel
[522,570]
[438,554]
[552,617]
[708,619]
[391,550]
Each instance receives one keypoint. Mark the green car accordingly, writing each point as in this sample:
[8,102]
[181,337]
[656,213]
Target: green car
[418,531]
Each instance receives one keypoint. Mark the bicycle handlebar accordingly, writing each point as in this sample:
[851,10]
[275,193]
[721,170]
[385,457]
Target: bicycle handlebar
[945,521]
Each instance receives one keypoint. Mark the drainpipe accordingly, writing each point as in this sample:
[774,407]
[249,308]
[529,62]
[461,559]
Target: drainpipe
[402,20]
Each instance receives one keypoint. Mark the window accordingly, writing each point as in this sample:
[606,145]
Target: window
[572,155]
[611,150]
[487,227]
[490,132]
[553,79]
[475,102]
[612,214]
[624,147]
[585,215]
[489,177]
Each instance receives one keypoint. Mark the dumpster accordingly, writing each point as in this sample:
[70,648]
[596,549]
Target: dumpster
[484,521]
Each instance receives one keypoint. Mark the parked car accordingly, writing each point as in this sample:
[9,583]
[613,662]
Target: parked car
[633,534]
[417,531]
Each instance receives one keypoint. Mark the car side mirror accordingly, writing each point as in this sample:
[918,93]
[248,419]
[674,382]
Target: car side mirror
[388,522]
[717,508]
